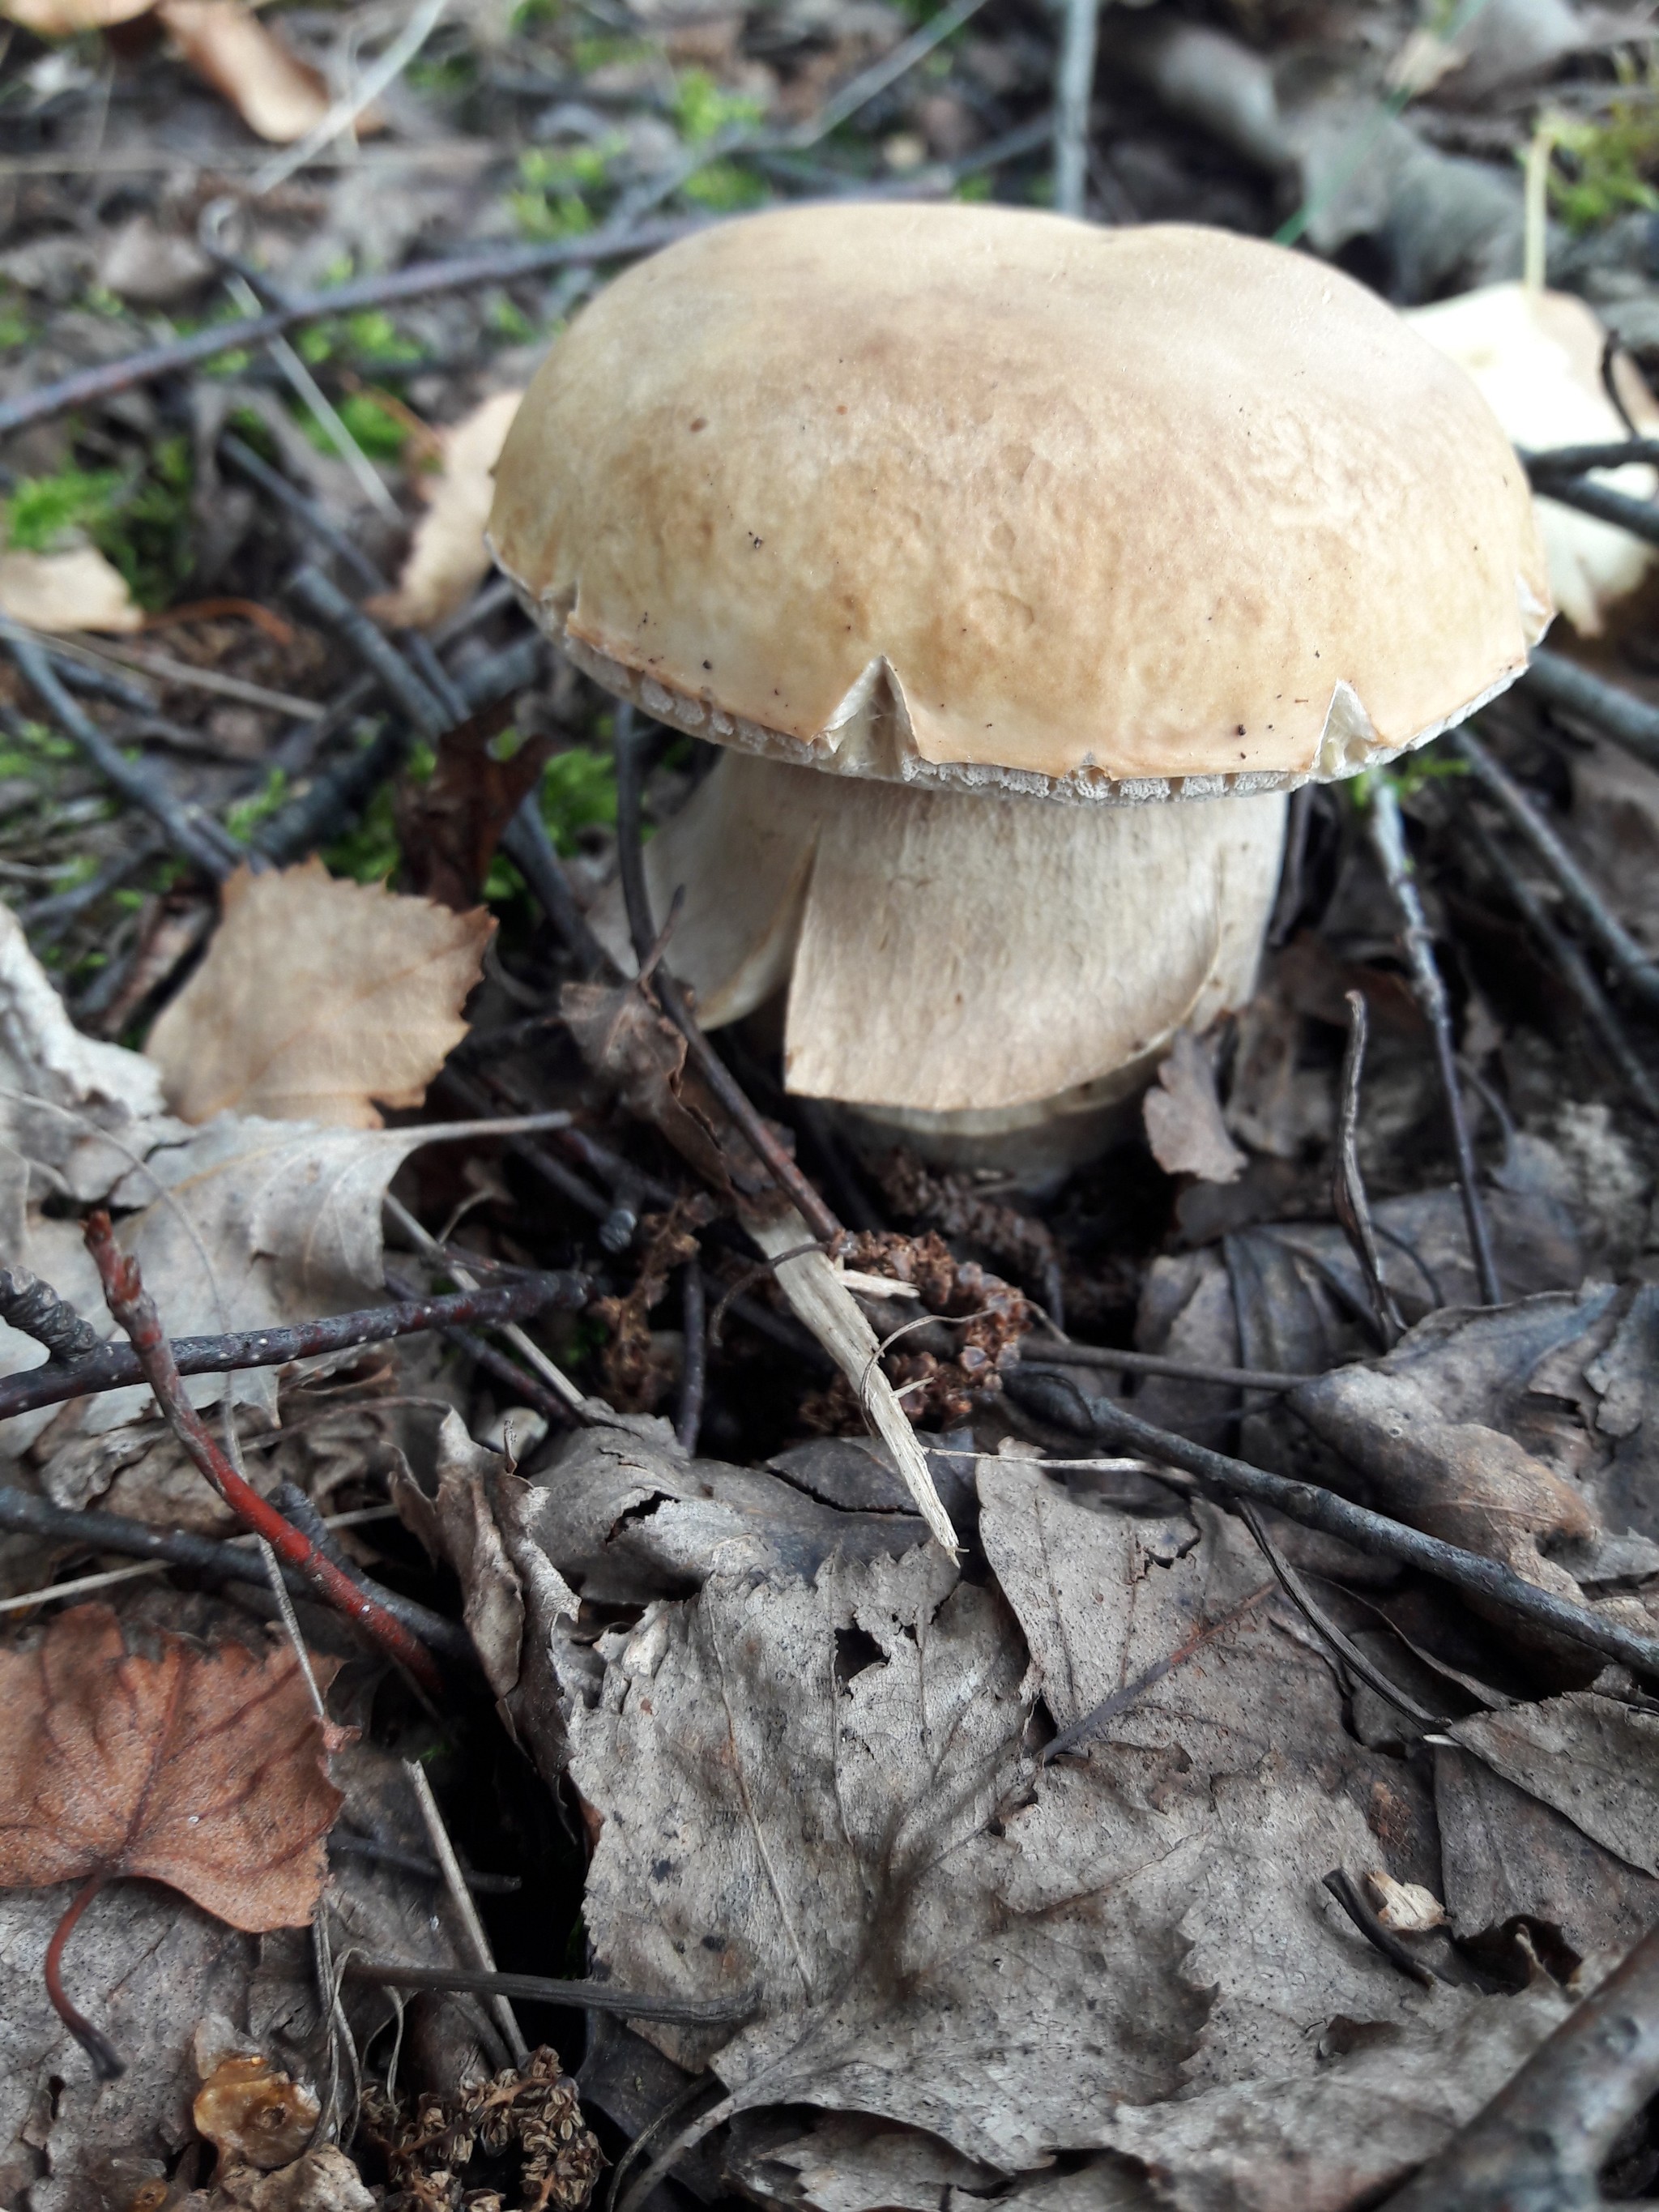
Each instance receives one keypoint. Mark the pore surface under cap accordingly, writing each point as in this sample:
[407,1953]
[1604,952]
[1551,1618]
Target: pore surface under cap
[977,495]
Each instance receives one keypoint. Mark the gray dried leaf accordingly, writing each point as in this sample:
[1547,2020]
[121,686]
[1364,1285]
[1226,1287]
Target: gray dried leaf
[827,1792]
[1506,1855]
[1182,1116]
[444,1496]
[1595,1761]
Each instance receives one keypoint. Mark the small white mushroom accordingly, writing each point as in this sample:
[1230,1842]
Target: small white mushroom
[975,535]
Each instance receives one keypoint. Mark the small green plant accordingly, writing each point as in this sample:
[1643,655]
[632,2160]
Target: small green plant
[579,791]
[380,434]
[1599,169]
[551,200]
[702,109]
[245,816]
[42,511]
[15,328]
[723,188]
[369,853]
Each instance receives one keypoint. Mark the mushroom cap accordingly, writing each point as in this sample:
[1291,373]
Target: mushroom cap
[980,497]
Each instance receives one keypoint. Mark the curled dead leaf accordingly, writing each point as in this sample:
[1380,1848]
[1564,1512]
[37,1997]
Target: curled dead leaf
[447,558]
[253,2114]
[1183,1120]
[279,97]
[318,999]
[73,591]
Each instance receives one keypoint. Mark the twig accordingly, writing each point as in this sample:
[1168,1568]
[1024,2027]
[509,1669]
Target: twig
[166,670]
[1065,1406]
[1574,460]
[1083,1732]
[35,1308]
[1619,714]
[135,1311]
[1074,84]
[1629,961]
[545,1989]
[425,1241]
[344,548]
[420,281]
[1572,966]
[1348,1199]
[1357,1905]
[1542,2143]
[1640,516]
[1043,1356]
[631,863]
[372,647]
[527,845]
[1388,837]
[345,113]
[209,848]
[465,1910]
[114,1366]
[694,1376]
[108,2063]
[1327,1630]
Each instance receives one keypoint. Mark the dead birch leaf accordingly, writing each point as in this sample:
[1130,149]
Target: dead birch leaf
[78,590]
[447,557]
[62,19]
[279,97]
[1183,1120]
[317,998]
[201,1771]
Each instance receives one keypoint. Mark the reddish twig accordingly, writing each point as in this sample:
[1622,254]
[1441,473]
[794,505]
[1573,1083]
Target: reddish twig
[135,1311]
[115,1366]
[107,2061]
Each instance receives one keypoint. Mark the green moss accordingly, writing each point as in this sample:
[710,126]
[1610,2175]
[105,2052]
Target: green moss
[579,791]
[43,511]
[380,434]
[724,188]
[245,816]
[702,109]
[1601,169]
[141,522]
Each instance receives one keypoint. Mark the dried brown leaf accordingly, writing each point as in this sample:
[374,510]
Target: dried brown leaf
[449,826]
[279,97]
[317,999]
[1183,1120]
[203,1772]
[72,590]
[447,558]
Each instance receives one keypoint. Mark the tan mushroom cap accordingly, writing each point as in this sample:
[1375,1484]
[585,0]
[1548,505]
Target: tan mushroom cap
[981,497]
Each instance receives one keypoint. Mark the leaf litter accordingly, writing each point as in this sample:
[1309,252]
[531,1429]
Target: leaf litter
[1043,1873]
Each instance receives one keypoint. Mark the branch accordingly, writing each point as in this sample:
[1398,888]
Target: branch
[114,1366]
[1065,1404]
[135,1311]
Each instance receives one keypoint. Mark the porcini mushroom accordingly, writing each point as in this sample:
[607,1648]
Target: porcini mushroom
[971,532]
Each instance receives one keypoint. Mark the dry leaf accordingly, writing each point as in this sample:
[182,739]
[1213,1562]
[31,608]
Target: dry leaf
[279,97]
[62,592]
[449,827]
[447,558]
[62,19]
[202,1770]
[317,998]
[1183,1120]
[252,2113]
[1536,357]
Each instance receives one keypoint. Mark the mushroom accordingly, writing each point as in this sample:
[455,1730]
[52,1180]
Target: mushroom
[976,536]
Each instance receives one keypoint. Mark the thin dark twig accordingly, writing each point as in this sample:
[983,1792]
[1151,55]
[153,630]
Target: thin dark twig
[1041,1355]
[25,1513]
[545,1988]
[1358,1906]
[1574,460]
[630,861]
[1348,1200]
[1083,1732]
[1542,2143]
[483,1100]
[1608,504]
[1388,837]
[192,833]
[135,1311]
[1065,1406]
[306,511]
[1327,1630]
[694,1376]
[1572,966]
[422,280]
[115,1366]
[108,2063]
[527,845]
[35,1308]
[1616,713]
[1628,960]
[372,647]
[529,1390]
